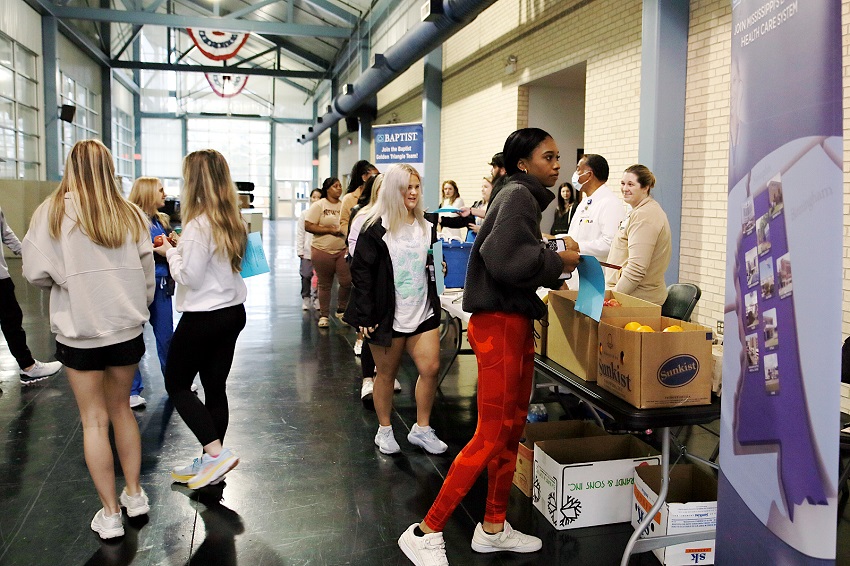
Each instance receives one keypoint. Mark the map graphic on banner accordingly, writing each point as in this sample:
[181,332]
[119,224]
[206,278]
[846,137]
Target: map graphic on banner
[778,453]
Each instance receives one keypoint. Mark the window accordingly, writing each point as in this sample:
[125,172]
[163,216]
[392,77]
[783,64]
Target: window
[162,152]
[18,111]
[86,123]
[123,144]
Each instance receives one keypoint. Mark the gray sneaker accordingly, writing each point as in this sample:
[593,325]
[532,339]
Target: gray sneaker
[427,550]
[426,438]
[39,371]
[135,504]
[385,441]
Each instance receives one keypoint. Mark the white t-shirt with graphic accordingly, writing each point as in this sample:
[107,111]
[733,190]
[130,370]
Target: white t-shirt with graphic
[409,254]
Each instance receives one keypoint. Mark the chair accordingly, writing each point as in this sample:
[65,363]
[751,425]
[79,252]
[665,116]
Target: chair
[681,300]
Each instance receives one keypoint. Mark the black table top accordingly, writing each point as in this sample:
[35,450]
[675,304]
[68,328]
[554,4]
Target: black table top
[625,415]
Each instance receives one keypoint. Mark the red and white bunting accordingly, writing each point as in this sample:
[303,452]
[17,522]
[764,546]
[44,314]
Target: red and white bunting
[226,85]
[218,45]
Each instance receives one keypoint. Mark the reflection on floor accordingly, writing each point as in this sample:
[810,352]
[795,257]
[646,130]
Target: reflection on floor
[311,488]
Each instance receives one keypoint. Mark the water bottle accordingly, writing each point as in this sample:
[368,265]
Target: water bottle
[537,413]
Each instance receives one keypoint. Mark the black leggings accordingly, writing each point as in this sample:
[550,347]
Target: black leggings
[11,323]
[367,362]
[203,343]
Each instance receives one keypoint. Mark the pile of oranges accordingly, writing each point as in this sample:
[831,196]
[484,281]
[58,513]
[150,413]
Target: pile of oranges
[638,327]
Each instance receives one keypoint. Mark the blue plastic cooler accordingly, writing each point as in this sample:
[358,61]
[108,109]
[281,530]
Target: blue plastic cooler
[456,256]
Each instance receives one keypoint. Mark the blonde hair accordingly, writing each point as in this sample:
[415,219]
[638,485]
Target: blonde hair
[390,200]
[208,189]
[145,195]
[103,214]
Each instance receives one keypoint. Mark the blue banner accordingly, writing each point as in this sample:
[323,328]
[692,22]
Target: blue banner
[398,143]
[781,360]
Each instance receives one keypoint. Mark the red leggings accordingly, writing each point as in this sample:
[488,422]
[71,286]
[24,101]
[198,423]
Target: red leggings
[504,346]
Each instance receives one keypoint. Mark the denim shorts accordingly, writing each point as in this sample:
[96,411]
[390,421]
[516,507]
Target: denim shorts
[98,359]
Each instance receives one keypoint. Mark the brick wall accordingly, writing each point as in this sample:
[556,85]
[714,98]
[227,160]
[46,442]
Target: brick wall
[706,156]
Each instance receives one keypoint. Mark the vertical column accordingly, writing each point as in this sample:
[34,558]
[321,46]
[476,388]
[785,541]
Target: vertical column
[334,149]
[664,57]
[137,110]
[432,105]
[315,149]
[106,84]
[364,134]
[52,147]
[272,181]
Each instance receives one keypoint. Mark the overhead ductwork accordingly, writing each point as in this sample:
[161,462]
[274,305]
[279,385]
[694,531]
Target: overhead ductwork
[420,40]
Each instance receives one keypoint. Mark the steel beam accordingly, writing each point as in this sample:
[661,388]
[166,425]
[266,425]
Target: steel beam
[334,10]
[215,69]
[178,21]
[248,9]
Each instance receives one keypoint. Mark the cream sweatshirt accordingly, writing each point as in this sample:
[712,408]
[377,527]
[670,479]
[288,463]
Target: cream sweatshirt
[98,296]
[205,281]
[643,247]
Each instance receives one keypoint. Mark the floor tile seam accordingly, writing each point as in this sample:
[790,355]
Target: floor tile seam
[13,537]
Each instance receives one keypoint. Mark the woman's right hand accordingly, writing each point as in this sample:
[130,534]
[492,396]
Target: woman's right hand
[367,331]
[570,259]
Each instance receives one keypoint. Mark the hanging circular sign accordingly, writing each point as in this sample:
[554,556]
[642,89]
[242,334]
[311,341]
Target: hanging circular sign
[218,45]
[226,85]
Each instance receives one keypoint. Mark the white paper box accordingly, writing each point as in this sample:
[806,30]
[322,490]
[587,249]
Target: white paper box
[582,482]
[691,506]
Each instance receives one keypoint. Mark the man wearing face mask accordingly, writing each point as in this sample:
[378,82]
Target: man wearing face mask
[600,212]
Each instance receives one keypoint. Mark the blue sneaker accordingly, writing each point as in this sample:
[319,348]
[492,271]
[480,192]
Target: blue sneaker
[213,468]
[182,474]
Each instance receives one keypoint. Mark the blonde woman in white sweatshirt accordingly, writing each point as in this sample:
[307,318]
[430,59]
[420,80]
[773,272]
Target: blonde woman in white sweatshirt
[206,265]
[92,249]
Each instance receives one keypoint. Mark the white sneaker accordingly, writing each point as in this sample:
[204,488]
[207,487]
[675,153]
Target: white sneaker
[135,504]
[426,438]
[194,388]
[316,304]
[306,303]
[39,371]
[213,468]
[137,401]
[396,386]
[366,389]
[508,540]
[107,526]
[385,441]
[323,322]
[358,347]
[427,550]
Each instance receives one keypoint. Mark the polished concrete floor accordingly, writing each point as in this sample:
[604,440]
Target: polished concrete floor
[311,488]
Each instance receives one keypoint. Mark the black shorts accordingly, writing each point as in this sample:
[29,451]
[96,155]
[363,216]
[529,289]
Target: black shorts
[98,359]
[430,324]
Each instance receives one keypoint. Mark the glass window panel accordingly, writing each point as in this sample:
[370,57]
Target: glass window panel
[7,113]
[7,144]
[27,148]
[7,170]
[27,119]
[92,100]
[81,134]
[26,91]
[7,85]
[94,121]
[25,61]
[5,51]
[80,94]
[28,171]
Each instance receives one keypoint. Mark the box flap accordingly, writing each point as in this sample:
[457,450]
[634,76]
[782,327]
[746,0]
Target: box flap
[579,451]
[560,429]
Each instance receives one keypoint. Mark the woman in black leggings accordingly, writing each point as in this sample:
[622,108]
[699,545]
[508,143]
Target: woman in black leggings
[206,266]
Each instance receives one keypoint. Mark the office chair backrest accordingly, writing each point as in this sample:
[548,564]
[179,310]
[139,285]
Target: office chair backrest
[681,300]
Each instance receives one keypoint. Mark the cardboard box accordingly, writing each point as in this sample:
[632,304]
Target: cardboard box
[535,432]
[582,482]
[572,336]
[541,329]
[653,370]
[691,506]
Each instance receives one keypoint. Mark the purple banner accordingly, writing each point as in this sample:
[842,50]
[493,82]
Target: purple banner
[781,365]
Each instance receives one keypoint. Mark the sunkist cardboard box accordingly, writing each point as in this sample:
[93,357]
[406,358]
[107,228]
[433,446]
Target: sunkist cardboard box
[691,506]
[653,370]
[572,336]
[541,329]
[535,432]
[582,482]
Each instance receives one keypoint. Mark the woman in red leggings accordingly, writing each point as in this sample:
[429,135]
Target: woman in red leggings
[507,264]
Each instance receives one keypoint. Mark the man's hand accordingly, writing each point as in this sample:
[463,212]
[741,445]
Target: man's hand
[571,244]
[570,259]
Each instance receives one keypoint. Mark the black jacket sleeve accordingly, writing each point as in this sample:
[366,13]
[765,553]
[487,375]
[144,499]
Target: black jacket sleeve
[361,306]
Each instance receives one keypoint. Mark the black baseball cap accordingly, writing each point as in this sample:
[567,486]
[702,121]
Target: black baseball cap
[498,160]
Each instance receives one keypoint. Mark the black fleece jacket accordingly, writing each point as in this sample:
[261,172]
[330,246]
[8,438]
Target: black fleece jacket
[508,261]
[372,299]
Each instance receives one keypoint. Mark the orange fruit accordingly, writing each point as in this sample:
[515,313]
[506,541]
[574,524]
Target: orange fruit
[645,328]
[632,326]
[674,328]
